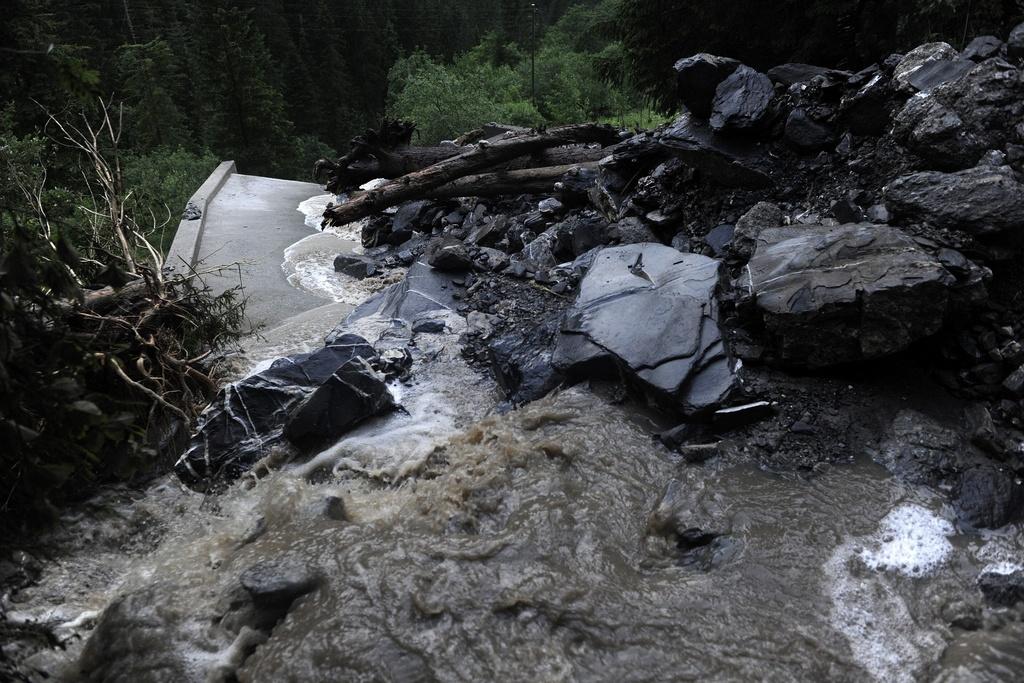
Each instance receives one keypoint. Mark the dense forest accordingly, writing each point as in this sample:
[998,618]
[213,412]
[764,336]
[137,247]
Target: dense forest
[113,111]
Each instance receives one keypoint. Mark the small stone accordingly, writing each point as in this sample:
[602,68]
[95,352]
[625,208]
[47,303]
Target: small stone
[1015,382]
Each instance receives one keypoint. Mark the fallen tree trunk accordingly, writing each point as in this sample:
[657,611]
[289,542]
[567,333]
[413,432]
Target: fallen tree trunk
[525,181]
[396,163]
[478,158]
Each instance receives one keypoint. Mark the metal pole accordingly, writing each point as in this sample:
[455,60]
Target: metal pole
[533,52]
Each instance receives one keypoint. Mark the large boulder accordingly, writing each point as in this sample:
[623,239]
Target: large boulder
[1015,43]
[834,294]
[521,362]
[423,290]
[648,312]
[982,48]
[955,123]
[742,101]
[697,78]
[867,111]
[806,134]
[988,497]
[984,200]
[246,419]
[352,394]
[356,265]
[730,162]
[918,58]
[788,74]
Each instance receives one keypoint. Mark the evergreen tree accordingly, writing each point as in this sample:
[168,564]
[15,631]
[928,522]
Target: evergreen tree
[244,114]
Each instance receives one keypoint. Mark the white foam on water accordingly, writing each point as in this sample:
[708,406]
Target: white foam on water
[863,579]
[911,540]
[1003,568]
[314,207]
[309,266]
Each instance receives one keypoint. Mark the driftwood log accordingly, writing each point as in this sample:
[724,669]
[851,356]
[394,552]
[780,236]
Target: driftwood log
[477,159]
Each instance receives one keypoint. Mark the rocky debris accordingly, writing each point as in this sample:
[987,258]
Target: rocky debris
[988,497]
[954,124]
[352,394]
[356,265]
[742,101]
[867,110]
[829,295]
[788,74]
[1002,589]
[697,79]
[982,200]
[246,419]
[731,162]
[649,312]
[806,134]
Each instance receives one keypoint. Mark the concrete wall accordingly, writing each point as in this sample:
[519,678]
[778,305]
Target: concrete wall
[184,251]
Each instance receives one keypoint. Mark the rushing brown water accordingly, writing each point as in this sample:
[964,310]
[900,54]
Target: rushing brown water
[548,544]
[558,542]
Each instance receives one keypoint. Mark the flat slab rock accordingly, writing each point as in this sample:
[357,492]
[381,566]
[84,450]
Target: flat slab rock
[649,311]
[830,295]
[729,161]
[247,418]
[984,200]
[422,290]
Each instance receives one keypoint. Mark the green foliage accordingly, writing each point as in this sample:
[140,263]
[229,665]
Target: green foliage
[150,83]
[162,180]
[579,70]
[446,101]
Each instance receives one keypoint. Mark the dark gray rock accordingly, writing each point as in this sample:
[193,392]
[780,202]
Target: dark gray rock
[631,230]
[938,72]
[246,418]
[449,254]
[921,450]
[351,395]
[587,232]
[987,497]
[1014,382]
[649,313]
[1002,589]
[539,254]
[493,260]
[408,219]
[879,213]
[730,162]
[720,237]
[982,201]
[697,78]
[955,123]
[788,74]
[868,110]
[917,58]
[489,234]
[550,206]
[742,101]
[521,362]
[423,290]
[830,295]
[191,212]
[761,216]
[276,583]
[356,265]
[982,48]
[806,134]
[1015,43]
